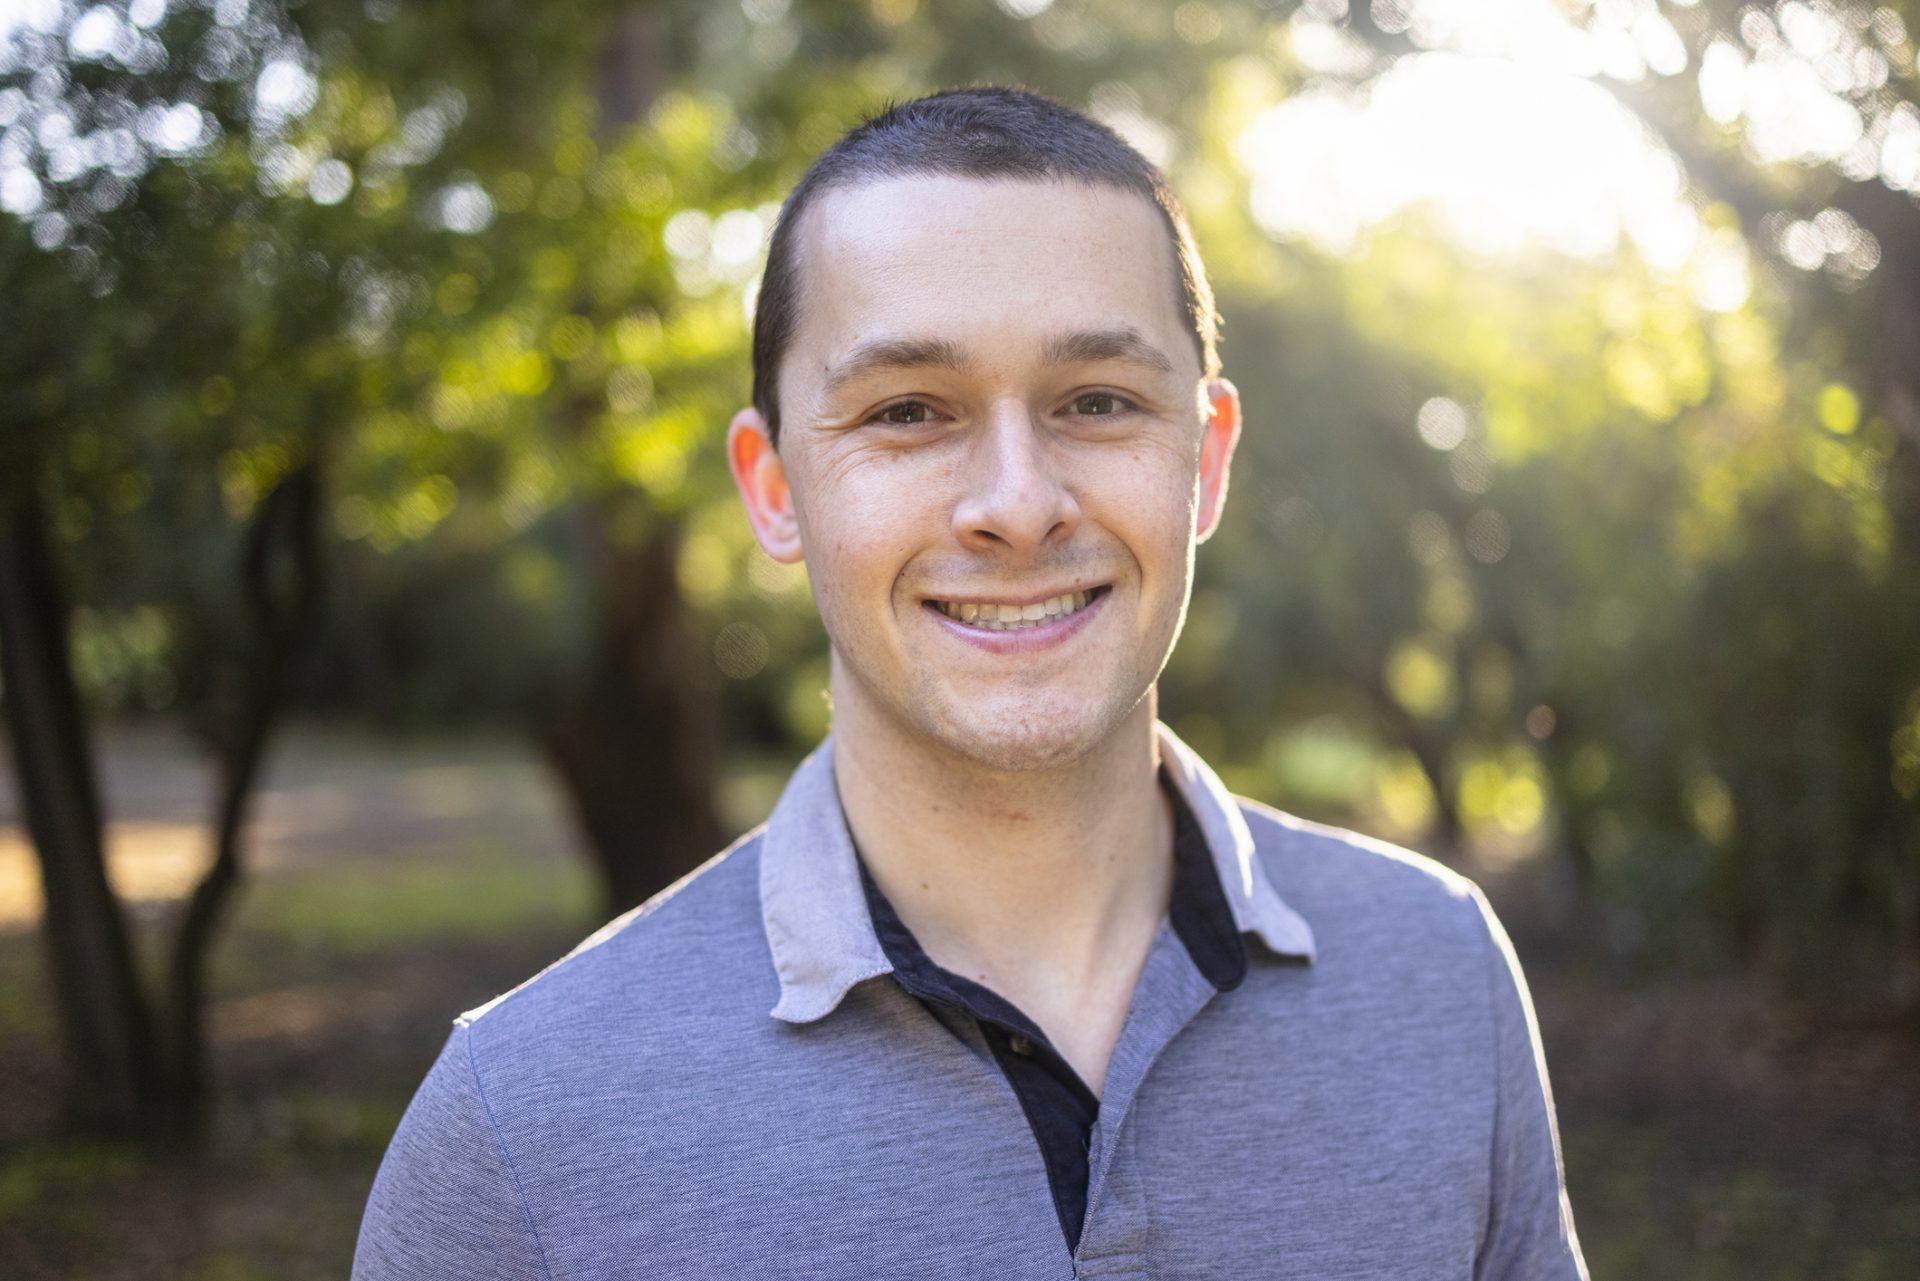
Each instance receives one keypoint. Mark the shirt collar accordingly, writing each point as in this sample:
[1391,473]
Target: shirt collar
[810,898]
[1256,904]
[1197,913]
[815,912]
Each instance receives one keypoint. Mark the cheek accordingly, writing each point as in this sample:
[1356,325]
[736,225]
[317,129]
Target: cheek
[1149,501]
[859,532]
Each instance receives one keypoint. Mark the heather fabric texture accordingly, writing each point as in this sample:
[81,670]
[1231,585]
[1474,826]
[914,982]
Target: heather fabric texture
[712,1086]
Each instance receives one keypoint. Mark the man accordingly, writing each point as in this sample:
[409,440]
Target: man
[1008,986]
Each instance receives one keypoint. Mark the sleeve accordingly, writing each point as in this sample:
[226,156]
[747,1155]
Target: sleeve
[1529,1231]
[446,1203]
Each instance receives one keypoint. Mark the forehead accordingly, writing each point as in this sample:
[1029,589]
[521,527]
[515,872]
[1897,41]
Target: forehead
[983,262]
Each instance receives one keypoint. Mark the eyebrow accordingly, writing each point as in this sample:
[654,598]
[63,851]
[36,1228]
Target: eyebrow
[1078,346]
[1122,343]
[897,353]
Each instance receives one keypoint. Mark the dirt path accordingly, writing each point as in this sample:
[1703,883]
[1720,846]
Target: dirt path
[327,793]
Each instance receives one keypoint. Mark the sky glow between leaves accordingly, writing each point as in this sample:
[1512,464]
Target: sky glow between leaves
[1504,130]
[1502,127]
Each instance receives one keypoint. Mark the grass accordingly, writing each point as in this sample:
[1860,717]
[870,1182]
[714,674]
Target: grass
[365,907]
[1761,1224]
[332,991]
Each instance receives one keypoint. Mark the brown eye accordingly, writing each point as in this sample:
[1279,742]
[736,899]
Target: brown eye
[906,413]
[1098,404]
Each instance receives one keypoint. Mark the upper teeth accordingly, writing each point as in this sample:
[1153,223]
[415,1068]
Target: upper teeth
[998,618]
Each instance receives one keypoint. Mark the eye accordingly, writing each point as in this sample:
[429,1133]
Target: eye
[1100,404]
[905,413]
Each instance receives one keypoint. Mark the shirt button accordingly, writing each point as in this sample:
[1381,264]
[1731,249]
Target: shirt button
[1020,1045]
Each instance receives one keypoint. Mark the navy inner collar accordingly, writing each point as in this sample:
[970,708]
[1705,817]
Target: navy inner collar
[1198,912]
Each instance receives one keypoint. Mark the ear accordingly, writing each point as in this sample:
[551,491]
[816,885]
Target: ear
[1221,434]
[762,480]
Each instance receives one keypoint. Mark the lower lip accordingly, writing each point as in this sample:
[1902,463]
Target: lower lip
[1027,640]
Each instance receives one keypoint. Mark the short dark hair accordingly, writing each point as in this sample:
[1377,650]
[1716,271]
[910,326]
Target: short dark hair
[986,132]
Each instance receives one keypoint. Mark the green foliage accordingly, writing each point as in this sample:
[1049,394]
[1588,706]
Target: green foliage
[1543,549]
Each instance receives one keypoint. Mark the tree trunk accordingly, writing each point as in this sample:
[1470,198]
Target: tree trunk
[113,1078]
[1895,219]
[635,739]
[1447,836]
[1556,751]
[283,606]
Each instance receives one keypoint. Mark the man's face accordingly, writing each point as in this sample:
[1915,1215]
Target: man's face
[996,454]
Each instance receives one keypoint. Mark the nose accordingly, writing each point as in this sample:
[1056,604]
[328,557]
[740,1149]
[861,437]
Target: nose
[1015,499]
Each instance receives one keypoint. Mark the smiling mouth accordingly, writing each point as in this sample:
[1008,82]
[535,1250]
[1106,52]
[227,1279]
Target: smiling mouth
[1001,617]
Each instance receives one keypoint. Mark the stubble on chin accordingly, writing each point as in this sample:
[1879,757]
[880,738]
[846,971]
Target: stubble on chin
[1036,735]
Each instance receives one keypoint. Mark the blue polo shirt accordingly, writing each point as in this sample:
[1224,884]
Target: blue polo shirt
[731,1081]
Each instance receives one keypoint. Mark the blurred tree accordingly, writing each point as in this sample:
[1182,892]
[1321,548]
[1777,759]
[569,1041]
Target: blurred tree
[202,296]
[1698,492]
[1524,536]
[116,260]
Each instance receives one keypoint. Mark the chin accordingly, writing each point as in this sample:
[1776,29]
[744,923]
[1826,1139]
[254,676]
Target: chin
[1035,736]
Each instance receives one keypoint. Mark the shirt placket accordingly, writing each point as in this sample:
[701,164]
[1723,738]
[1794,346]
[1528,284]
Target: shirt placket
[1116,1237]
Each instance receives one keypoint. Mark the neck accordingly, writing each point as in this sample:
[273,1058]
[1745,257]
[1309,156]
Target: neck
[1047,885]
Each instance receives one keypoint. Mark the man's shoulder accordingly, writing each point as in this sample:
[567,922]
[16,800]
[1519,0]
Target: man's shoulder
[682,952]
[1333,875]
[1399,939]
